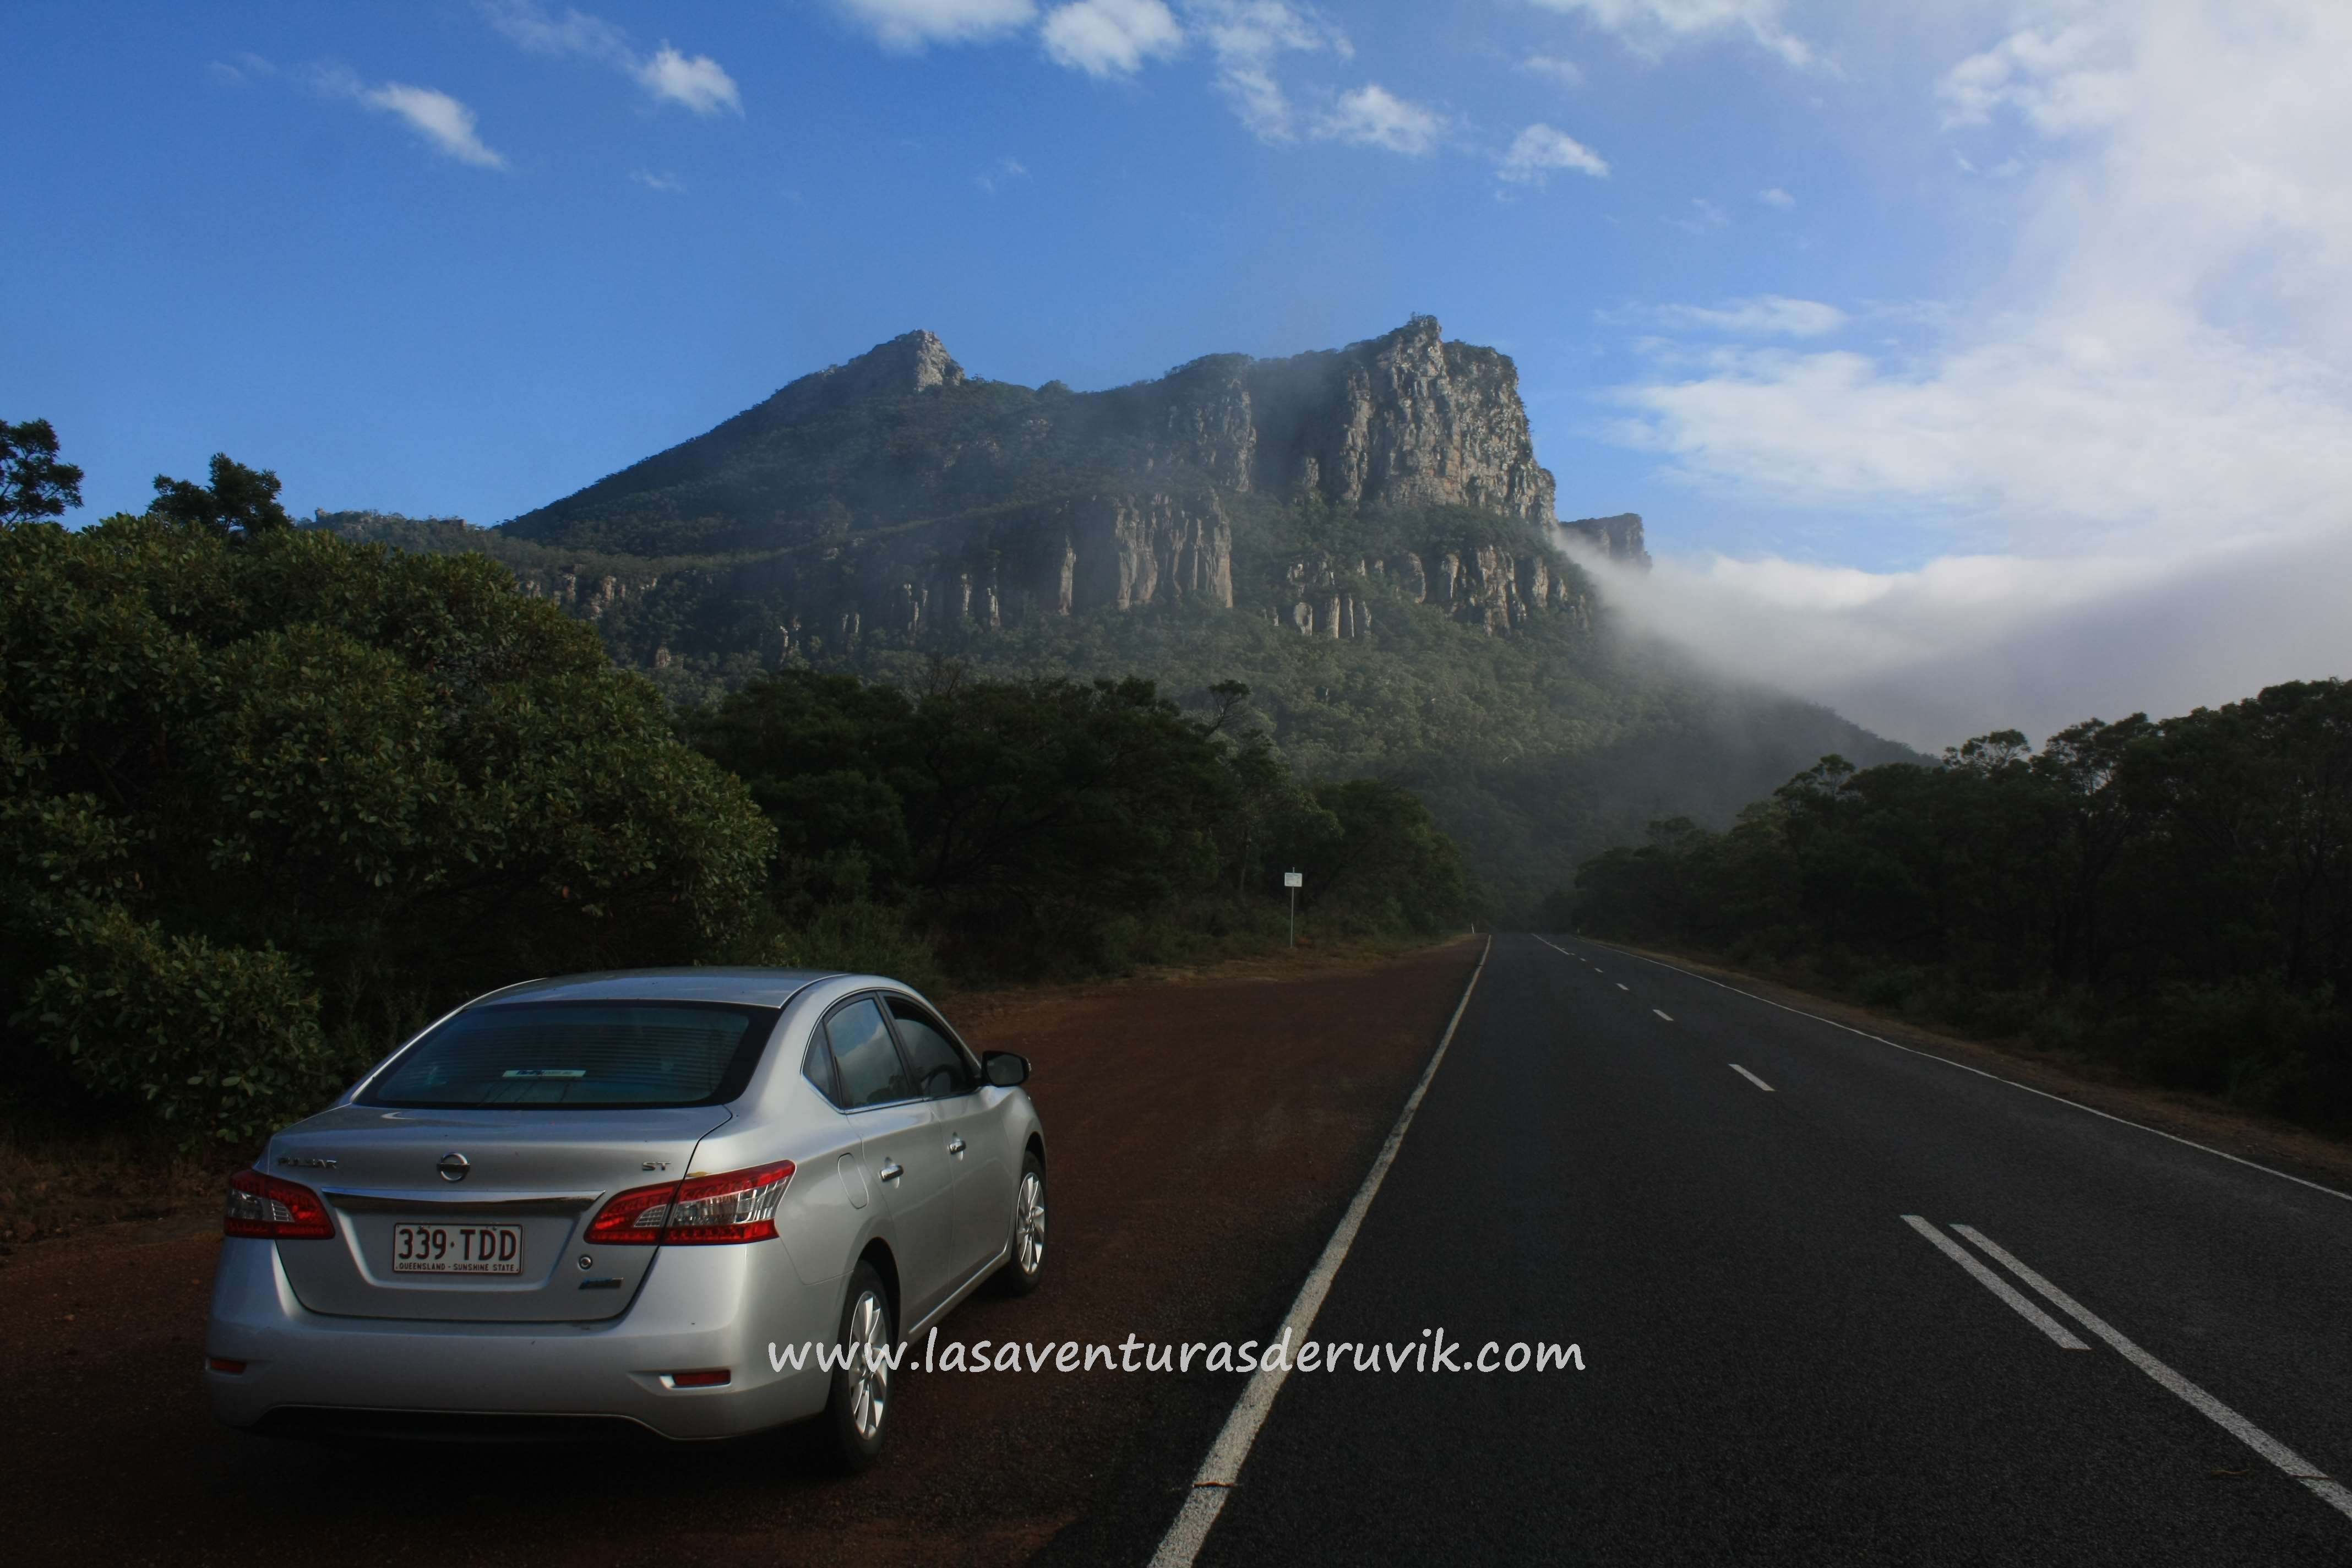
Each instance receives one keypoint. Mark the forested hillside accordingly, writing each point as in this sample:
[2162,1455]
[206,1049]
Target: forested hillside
[2171,895]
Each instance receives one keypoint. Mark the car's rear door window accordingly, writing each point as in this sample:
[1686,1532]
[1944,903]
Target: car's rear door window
[863,1053]
[940,1070]
[580,1056]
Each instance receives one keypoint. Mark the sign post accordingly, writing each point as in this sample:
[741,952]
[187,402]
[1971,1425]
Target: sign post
[1294,882]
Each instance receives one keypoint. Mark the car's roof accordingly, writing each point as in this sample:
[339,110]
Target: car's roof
[757,987]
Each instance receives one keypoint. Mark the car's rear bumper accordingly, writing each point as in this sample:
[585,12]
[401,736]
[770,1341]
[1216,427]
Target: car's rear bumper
[700,1308]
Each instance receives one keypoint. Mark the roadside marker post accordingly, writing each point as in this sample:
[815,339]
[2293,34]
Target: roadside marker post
[1294,882]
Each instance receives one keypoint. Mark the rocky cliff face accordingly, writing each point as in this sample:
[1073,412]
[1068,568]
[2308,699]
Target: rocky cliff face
[1485,586]
[1404,420]
[1113,552]
[894,497]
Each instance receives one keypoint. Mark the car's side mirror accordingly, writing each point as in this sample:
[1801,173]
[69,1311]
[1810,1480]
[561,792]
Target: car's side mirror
[1003,1069]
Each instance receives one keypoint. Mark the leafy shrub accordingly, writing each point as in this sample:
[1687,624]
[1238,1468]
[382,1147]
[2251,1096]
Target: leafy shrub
[216,1043]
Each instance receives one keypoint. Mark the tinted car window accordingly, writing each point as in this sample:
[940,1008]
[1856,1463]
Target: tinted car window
[871,1073]
[580,1056]
[940,1070]
[818,1068]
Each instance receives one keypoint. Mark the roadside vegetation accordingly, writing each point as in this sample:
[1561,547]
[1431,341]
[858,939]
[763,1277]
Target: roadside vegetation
[2170,898]
[271,798]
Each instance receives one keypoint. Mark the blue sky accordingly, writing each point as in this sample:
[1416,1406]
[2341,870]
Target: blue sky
[1925,336]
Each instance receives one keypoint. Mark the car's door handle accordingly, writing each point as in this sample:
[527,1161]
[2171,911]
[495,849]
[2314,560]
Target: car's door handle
[955,1145]
[892,1171]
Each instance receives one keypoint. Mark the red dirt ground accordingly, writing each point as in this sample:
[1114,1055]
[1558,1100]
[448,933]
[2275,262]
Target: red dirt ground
[1203,1132]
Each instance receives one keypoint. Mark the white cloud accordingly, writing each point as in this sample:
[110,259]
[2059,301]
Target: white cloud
[1766,315]
[1115,38]
[538,30]
[441,119]
[1246,37]
[1110,37]
[1372,116]
[1554,68]
[1539,151]
[1002,173]
[2050,77]
[695,80]
[240,69]
[663,182]
[1775,197]
[2127,463]
[1704,216]
[2103,417]
[913,24]
[1654,26]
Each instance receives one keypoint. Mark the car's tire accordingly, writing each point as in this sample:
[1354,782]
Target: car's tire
[1024,1266]
[856,1413]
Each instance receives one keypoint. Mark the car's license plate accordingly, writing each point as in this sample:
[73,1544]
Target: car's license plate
[456,1249]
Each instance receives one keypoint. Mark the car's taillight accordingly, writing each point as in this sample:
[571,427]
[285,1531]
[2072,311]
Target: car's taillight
[738,1207]
[699,1211]
[263,1205]
[634,1216]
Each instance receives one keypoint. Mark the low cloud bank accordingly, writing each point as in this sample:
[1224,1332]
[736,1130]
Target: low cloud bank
[1968,644]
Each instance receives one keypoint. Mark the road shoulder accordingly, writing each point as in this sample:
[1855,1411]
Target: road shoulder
[2267,1141]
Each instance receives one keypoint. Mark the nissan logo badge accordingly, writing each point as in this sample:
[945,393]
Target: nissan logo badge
[452,1167]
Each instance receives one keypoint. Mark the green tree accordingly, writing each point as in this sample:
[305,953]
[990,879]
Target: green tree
[299,793]
[241,500]
[33,482]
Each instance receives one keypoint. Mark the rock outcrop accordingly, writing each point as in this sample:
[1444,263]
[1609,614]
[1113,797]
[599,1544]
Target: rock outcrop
[912,362]
[1616,538]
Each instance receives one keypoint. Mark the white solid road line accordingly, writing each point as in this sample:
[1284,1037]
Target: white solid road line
[1750,1077]
[1931,1056]
[1663,1014]
[1222,1468]
[1622,986]
[2220,1414]
[1996,1284]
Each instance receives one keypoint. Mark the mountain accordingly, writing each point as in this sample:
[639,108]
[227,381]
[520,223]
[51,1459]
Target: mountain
[895,497]
[1363,535]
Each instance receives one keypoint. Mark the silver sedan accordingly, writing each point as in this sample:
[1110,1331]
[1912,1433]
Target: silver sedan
[670,1198]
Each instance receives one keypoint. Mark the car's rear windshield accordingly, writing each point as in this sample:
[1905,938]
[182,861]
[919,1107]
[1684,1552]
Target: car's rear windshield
[580,1056]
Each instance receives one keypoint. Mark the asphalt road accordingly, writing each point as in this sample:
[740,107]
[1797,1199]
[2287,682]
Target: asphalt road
[1778,1365]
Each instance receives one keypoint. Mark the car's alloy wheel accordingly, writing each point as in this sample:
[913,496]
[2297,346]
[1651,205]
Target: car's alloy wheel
[869,1333]
[1032,1222]
[859,1405]
[1026,1267]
